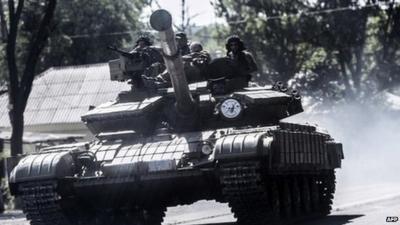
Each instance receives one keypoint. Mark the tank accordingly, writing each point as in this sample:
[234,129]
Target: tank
[159,146]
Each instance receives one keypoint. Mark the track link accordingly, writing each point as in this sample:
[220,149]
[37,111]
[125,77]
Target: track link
[44,206]
[256,198]
[41,204]
[245,192]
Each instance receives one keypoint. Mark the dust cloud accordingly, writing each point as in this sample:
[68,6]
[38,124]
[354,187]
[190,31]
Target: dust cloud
[370,136]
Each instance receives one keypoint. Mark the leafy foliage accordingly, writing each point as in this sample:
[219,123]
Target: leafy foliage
[84,29]
[280,43]
[329,49]
[387,49]
[213,38]
[81,31]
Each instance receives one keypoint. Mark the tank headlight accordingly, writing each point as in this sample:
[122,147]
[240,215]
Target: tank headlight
[206,149]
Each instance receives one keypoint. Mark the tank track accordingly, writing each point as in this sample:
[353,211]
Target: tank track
[41,204]
[256,198]
[243,188]
[44,206]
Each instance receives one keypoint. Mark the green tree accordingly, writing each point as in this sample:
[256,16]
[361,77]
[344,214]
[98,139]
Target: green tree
[212,37]
[21,75]
[386,71]
[81,31]
[334,48]
[343,34]
[85,28]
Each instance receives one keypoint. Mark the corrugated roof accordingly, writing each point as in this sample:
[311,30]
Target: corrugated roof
[63,94]
[31,137]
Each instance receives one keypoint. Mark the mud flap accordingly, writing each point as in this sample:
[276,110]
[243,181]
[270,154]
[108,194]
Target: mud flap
[335,154]
[43,166]
[239,146]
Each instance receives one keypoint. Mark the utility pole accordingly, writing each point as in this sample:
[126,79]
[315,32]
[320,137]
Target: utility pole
[183,5]
[185,25]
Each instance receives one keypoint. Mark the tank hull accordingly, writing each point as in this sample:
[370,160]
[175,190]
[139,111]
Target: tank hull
[287,171]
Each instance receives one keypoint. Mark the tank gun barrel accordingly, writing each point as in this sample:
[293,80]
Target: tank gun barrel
[161,21]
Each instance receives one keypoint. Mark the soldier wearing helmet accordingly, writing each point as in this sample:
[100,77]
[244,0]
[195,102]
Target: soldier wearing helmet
[151,56]
[195,47]
[195,63]
[237,52]
[143,42]
[182,43]
[144,45]
[198,55]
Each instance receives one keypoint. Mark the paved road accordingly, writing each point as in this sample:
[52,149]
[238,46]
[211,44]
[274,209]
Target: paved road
[362,205]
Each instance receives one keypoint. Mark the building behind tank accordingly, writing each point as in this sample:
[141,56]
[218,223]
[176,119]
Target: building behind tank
[60,95]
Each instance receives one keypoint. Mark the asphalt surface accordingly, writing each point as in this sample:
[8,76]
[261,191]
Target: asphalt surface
[361,205]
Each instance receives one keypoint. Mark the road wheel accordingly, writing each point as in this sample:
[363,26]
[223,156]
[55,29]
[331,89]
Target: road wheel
[296,197]
[305,195]
[274,199]
[286,198]
[314,189]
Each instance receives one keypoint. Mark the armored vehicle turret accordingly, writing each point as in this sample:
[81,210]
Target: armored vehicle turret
[158,146]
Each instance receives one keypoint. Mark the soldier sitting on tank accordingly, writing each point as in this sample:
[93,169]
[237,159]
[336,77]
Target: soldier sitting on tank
[182,43]
[162,78]
[195,65]
[232,72]
[153,54]
[236,51]
[198,54]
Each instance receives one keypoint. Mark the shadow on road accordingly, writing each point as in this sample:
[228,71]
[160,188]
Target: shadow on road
[329,220]
[332,220]
[12,215]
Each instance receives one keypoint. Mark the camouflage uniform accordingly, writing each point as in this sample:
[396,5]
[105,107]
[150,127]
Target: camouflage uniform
[195,64]
[198,54]
[182,43]
[152,55]
[144,44]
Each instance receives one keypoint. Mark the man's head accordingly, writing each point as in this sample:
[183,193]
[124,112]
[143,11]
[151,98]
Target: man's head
[234,44]
[196,47]
[143,41]
[181,39]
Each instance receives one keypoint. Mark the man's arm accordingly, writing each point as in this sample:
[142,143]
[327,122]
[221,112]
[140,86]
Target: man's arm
[251,62]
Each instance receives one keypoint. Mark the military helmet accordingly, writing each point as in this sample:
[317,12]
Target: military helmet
[181,35]
[234,38]
[145,39]
[196,47]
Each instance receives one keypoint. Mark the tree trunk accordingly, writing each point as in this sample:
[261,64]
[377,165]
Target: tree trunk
[345,77]
[358,71]
[19,89]
[17,120]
